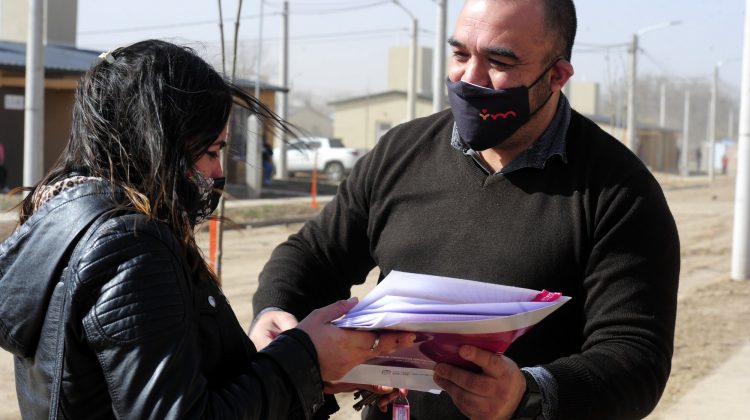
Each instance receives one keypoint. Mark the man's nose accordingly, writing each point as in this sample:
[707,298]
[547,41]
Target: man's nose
[476,74]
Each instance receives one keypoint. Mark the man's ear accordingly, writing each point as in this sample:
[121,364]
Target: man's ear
[562,71]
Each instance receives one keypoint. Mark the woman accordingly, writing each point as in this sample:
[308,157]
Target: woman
[105,299]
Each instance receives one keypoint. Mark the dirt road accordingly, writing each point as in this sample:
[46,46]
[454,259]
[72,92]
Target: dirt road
[713,311]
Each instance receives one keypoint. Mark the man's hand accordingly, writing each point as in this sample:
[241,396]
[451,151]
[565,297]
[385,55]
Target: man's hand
[492,394]
[269,325]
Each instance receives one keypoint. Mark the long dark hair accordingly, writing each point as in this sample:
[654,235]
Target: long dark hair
[141,118]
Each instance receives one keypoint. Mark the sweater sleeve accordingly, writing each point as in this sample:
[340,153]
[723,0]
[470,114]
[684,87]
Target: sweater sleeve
[629,298]
[143,329]
[319,264]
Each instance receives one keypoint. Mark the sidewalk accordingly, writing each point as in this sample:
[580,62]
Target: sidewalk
[724,394]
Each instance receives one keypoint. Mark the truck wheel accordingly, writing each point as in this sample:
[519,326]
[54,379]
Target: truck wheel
[334,171]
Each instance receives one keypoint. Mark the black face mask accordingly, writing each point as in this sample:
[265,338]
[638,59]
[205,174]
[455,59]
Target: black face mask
[487,117]
[210,190]
[216,193]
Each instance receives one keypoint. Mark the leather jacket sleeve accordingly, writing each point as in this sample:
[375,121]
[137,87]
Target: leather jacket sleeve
[141,324]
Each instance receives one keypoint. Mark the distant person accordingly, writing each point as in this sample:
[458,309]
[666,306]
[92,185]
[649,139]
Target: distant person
[106,301]
[698,156]
[267,156]
[509,186]
[724,164]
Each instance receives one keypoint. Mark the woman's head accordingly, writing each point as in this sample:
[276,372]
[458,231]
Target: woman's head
[150,118]
[143,116]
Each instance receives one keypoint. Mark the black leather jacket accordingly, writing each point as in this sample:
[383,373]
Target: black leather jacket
[145,339]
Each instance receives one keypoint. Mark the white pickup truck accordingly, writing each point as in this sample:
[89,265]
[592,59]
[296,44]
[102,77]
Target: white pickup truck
[333,159]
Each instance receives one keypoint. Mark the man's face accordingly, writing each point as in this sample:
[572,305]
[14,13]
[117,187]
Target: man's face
[500,44]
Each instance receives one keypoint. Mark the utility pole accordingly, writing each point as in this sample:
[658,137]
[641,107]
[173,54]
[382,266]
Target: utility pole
[284,77]
[411,94]
[663,106]
[253,147]
[438,66]
[411,89]
[741,231]
[225,152]
[33,126]
[712,121]
[685,133]
[630,137]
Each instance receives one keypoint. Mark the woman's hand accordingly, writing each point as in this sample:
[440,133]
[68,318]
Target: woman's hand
[339,349]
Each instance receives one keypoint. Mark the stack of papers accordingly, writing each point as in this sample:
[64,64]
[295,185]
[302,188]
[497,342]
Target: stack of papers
[446,313]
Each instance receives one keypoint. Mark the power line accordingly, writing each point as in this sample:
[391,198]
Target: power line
[318,9]
[342,9]
[168,26]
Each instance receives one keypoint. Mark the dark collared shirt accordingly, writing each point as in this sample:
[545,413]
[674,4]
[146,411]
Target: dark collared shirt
[551,143]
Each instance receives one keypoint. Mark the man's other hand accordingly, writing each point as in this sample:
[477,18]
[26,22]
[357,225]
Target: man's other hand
[492,394]
[269,325]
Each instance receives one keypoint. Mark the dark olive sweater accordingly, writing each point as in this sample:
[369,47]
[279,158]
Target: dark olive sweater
[596,228]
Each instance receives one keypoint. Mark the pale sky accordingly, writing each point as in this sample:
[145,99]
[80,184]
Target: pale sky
[340,47]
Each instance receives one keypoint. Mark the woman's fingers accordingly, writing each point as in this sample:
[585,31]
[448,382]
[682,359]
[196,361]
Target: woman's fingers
[333,311]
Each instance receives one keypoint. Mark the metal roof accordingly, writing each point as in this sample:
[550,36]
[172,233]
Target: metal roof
[250,84]
[56,57]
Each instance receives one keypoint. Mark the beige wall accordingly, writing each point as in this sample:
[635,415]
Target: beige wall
[398,69]
[58,106]
[356,123]
[58,110]
[60,17]
[584,96]
[312,123]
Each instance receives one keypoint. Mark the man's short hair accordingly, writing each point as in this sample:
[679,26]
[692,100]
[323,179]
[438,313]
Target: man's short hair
[560,18]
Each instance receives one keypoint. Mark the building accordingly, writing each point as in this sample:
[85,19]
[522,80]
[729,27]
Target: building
[658,147]
[64,65]
[311,121]
[360,121]
[244,166]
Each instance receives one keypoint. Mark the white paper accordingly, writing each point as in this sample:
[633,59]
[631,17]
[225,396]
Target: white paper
[447,312]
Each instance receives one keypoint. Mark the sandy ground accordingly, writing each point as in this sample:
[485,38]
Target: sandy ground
[713,311]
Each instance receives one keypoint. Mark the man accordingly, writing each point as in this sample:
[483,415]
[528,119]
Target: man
[509,186]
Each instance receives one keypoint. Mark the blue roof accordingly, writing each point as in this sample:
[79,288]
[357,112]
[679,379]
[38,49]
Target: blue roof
[56,57]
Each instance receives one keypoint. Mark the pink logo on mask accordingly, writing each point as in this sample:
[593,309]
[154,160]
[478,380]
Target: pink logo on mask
[485,115]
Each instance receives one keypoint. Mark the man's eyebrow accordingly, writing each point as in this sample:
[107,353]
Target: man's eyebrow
[503,52]
[453,42]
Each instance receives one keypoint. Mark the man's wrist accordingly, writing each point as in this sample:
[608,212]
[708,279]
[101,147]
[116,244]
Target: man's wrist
[530,407]
[260,313]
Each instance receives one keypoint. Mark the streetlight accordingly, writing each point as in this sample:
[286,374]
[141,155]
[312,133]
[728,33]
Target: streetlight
[438,78]
[411,90]
[630,137]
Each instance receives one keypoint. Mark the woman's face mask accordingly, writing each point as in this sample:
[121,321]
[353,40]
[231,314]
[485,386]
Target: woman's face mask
[486,117]
[209,190]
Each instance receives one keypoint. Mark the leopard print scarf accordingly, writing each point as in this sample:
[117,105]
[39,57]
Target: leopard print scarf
[44,193]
